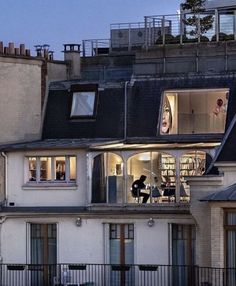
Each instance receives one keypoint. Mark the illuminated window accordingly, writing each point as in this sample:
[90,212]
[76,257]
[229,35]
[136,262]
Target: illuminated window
[194,111]
[52,169]
[83,103]
[107,178]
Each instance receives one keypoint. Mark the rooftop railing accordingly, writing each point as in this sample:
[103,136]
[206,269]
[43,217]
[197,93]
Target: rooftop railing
[163,30]
[114,274]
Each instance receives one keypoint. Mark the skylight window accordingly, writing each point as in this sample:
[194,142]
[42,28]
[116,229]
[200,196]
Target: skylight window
[83,103]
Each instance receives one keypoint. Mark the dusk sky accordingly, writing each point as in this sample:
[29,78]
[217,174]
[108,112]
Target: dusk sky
[56,22]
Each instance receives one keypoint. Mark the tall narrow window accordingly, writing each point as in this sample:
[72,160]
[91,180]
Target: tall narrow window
[45,169]
[121,253]
[107,178]
[43,241]
[183,253]
[230,229]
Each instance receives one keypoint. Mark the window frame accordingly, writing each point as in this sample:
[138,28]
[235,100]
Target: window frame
[84,88]
[53,179]
[175,117]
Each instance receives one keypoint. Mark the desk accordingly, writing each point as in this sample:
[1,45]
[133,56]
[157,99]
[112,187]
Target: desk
[169,192]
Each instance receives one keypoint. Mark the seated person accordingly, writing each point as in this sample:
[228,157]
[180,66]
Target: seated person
[136,188]
[155,191]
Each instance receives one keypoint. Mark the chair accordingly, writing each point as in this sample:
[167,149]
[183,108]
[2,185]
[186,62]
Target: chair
[134,196]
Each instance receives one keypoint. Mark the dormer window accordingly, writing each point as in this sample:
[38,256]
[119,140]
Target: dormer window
[197,111]
[84,101]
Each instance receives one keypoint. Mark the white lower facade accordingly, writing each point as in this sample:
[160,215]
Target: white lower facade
[89,242]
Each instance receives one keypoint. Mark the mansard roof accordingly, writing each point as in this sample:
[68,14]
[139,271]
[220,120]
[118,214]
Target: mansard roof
[227,150]
[227,194]
[60,144]
[143,108]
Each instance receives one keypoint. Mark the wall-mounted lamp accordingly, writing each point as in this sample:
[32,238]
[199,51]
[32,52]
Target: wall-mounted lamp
[78,221]
[151,222]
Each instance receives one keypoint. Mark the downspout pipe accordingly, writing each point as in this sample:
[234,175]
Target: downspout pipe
[5,175]
[126,109]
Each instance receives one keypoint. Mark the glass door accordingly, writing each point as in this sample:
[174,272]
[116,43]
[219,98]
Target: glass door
[43,239]
[183,254]
[122,254]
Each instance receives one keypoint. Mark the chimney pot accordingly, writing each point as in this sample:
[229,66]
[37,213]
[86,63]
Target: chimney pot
[22,49]
[6,50]
[72,57]
[38,49]
[17,51]
[27,52]
[50,55]
[11,48]
[1,47]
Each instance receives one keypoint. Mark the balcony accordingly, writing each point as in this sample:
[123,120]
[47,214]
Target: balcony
[116,275]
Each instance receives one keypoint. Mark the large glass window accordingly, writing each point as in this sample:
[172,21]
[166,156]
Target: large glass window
[194,111]
[192,163]
[107,178]
[150,177]
[52,169]
[159,170]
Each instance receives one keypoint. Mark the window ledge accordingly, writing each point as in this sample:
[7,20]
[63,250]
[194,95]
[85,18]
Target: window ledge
[51,186]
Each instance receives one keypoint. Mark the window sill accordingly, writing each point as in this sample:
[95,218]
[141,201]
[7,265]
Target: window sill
[51,186]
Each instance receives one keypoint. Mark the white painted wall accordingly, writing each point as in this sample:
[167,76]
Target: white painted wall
[86,244]
[45,196]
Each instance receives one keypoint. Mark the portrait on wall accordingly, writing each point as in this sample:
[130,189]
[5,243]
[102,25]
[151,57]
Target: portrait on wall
[167,117]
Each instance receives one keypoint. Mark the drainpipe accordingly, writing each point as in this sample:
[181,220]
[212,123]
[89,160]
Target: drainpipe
[2,220]
[5,177]
[125,112]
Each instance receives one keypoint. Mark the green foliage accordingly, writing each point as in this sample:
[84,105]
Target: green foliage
[222,37]
[195,6]
[169,39]
[199,23]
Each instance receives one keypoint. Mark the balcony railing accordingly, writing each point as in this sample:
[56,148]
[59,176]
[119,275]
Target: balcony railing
[115,275]
[162,30]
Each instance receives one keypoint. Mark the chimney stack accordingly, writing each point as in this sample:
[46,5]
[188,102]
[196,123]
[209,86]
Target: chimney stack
[11,48]
[72,56]
[1,48]
[22,49]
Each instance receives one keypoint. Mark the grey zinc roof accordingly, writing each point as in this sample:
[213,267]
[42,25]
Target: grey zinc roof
[227,194]
[58,144]
[227,151]
[143,108]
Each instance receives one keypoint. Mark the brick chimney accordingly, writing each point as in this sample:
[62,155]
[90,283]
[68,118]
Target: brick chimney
[72,57]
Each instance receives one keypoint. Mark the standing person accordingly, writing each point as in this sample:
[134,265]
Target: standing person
[137,186]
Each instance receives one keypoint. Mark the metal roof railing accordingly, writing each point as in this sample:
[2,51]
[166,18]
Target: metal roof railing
[162,30]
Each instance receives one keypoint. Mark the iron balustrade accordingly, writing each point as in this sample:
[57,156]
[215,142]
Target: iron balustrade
[161,30]
[78,274]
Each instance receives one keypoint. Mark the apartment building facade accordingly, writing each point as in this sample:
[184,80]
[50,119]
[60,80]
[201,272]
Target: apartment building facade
[68,195]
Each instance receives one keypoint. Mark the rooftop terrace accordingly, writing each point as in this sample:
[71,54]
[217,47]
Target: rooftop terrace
[161,30]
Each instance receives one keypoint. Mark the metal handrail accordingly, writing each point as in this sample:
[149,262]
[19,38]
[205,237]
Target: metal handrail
[162,30]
